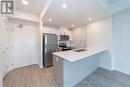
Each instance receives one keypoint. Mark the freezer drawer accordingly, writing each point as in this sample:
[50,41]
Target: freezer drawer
[48,57]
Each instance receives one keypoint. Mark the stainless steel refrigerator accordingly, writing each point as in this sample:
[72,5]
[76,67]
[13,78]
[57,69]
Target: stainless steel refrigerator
[50,44]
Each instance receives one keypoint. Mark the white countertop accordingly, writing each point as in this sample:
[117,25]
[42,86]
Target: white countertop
[75,56]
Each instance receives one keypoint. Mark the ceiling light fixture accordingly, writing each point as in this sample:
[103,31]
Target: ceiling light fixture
[64,5]
[90,19]
[50,20]
[72,25]
[25,2]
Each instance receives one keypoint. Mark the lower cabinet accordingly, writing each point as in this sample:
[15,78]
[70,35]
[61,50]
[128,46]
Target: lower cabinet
[58,70]
[1,83]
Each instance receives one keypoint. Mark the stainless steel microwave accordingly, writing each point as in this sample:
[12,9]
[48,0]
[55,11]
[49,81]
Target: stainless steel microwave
[64,37]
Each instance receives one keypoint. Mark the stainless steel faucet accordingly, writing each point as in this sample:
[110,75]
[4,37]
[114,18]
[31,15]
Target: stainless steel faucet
[84,42]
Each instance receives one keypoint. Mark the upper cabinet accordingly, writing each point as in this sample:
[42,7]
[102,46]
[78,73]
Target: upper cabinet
[49,30]
[66,32]
[58,31]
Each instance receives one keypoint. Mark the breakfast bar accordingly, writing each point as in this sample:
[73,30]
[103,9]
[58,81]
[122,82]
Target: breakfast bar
[70,67]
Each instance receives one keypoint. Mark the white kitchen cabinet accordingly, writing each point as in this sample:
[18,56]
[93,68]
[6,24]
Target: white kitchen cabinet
[65,31]
[50,30]
[57,31]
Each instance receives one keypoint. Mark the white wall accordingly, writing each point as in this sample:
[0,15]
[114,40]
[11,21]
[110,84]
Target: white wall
[79,34]
[4,44]
[19,14]
[112,33]
[3,48]
[121,42]
[97,34]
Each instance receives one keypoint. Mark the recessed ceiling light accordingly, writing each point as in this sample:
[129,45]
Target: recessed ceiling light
[90,19]
[64,5]
[72,25]
[49,19]
[25,2]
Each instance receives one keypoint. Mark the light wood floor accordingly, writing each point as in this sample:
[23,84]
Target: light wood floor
[30,76]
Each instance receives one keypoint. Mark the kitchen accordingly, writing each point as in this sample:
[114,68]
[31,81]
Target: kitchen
[66,43]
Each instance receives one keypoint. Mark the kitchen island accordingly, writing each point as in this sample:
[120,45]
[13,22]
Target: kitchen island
[70,67]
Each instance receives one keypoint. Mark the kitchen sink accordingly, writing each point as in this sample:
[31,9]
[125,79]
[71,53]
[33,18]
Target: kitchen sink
[79,50]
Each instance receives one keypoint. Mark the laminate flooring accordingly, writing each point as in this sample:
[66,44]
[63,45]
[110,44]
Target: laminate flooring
[105,78]
[30,76]
[33,76]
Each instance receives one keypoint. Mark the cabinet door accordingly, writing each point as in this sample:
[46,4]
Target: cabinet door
[58,70]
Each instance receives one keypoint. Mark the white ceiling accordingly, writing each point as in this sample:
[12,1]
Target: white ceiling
[79,11]
[35,6]
[115,6]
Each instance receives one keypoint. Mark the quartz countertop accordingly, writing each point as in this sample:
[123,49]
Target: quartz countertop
[73,56]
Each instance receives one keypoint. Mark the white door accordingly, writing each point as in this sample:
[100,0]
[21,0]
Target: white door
[24,52]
